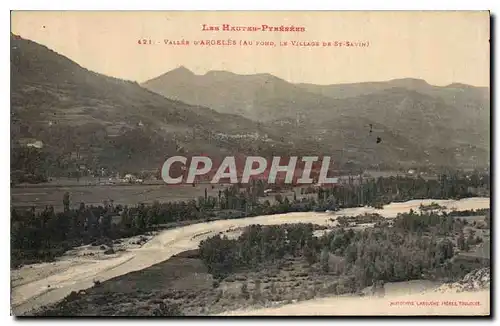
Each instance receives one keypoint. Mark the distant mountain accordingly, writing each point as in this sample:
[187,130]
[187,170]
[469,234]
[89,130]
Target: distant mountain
[454,119]
[261,97]
[355,89]
[470,104]
[265,97]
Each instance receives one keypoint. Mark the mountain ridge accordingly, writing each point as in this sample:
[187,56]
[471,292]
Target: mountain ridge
[392,80]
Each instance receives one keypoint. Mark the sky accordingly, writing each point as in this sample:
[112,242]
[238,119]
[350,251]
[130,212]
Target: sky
[439,47]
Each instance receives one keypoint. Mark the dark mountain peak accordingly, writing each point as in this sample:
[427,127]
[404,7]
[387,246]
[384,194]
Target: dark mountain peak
[181,71]
[180,74]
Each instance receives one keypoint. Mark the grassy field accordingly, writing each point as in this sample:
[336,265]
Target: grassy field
[40,196]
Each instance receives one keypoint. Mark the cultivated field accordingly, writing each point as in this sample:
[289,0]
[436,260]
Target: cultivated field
[125,194]
[42,195]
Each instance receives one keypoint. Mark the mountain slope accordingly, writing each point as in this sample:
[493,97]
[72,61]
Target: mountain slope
[83,117]
[355,89]
[471,104]
[261,97]
[451,122]
[424,119]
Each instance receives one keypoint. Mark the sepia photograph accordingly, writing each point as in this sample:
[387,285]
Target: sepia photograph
[250,163]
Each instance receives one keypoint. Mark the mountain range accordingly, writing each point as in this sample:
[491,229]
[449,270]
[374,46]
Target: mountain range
[83,117]
[451,121]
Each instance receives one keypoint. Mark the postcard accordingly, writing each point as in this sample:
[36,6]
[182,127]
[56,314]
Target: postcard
[223,163]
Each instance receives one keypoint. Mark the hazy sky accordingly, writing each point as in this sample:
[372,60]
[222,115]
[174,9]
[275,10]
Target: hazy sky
[440,47]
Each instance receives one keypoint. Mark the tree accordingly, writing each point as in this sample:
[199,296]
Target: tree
[461,243]
[470,241]
[273,288]
[164,309]
[244,291]
[66,201]
[310,255]
[257,291]
[487,219]
[325,260]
